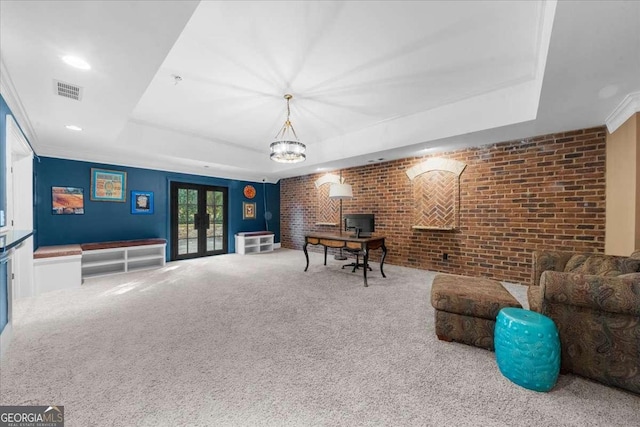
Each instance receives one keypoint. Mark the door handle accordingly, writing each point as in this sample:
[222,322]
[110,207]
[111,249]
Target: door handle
[201,221]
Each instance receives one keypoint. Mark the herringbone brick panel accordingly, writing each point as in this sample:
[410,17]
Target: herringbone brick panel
[328,209]
[435,199]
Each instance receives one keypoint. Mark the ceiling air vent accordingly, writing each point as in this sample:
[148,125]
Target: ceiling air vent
[68,90]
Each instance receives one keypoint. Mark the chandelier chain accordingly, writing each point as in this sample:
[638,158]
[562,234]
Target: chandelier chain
[287,124]
[287,148]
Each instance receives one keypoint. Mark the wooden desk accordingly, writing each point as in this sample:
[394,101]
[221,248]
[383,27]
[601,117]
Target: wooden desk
[365,244]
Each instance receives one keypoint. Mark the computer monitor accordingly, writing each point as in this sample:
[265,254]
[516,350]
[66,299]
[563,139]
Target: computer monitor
[361,224]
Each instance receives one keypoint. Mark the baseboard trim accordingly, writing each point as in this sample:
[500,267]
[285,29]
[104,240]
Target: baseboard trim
[276,246]
[5,338]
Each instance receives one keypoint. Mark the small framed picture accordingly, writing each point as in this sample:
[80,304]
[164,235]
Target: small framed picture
[108,186]
[67,201]
[248,210]
[142,202]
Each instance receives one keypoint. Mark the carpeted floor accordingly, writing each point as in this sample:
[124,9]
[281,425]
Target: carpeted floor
[252,340]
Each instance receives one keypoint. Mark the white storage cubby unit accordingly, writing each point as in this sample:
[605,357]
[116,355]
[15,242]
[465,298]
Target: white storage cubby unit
[99,262]
[57,267]
[254,242]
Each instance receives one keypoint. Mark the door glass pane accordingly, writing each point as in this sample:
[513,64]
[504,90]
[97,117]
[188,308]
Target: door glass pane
[218,231]
[182,221]
[210,246]
[192,233]
[187,233]
[193,197]
[215,208]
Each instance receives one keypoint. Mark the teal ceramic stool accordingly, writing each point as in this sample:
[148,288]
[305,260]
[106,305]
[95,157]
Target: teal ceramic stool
[527,348]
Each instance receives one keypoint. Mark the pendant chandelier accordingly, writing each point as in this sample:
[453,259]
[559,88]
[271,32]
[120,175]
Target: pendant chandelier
[287,148]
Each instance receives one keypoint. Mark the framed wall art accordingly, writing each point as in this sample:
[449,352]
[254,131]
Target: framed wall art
[249,191]
[67,201]
[108,186]
[248,210]
[142,202]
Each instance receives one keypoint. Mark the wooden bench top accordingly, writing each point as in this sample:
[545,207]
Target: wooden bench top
[255,233]
[69,250]
[57,251]
[121,244]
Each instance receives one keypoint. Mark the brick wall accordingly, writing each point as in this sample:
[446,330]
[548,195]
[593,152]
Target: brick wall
[517,196]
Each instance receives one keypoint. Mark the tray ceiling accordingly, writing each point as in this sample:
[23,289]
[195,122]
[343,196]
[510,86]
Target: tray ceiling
[370,80]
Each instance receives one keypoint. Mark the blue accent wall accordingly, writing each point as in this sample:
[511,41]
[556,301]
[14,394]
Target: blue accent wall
[108,221]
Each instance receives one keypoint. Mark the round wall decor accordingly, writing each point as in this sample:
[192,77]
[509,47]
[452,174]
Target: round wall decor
[249,191]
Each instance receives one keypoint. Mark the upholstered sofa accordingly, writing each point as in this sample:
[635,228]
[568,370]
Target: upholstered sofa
[594,300]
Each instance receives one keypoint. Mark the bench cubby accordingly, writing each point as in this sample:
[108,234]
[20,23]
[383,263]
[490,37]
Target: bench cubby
[254,242]
[99,259]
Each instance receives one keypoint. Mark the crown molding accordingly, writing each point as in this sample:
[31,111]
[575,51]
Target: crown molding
[10,95]
[627,108]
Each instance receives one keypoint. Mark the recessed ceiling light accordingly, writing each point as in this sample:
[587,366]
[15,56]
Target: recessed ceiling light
[74,61]
[74,127]
[608,91]
[427,150]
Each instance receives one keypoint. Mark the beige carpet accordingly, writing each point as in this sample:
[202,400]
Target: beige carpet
[252,340]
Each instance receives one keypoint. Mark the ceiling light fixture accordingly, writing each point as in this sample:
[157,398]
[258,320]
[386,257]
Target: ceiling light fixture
[286,149]
[74,127]
[74,61]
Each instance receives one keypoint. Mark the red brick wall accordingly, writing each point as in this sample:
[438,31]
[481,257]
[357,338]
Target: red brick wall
[546,192]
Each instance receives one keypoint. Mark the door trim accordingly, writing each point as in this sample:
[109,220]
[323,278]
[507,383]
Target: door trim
[202,193]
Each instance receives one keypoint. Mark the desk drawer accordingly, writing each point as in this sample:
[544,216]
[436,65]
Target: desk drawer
[354,245]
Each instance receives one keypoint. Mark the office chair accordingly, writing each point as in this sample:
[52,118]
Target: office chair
[356,265]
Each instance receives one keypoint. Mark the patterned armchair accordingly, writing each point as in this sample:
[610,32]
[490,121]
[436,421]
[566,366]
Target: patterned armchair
[594,300]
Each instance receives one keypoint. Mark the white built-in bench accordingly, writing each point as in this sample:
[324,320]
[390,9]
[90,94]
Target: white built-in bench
[99,259]
[57,267]
[65,266]
[254,242]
